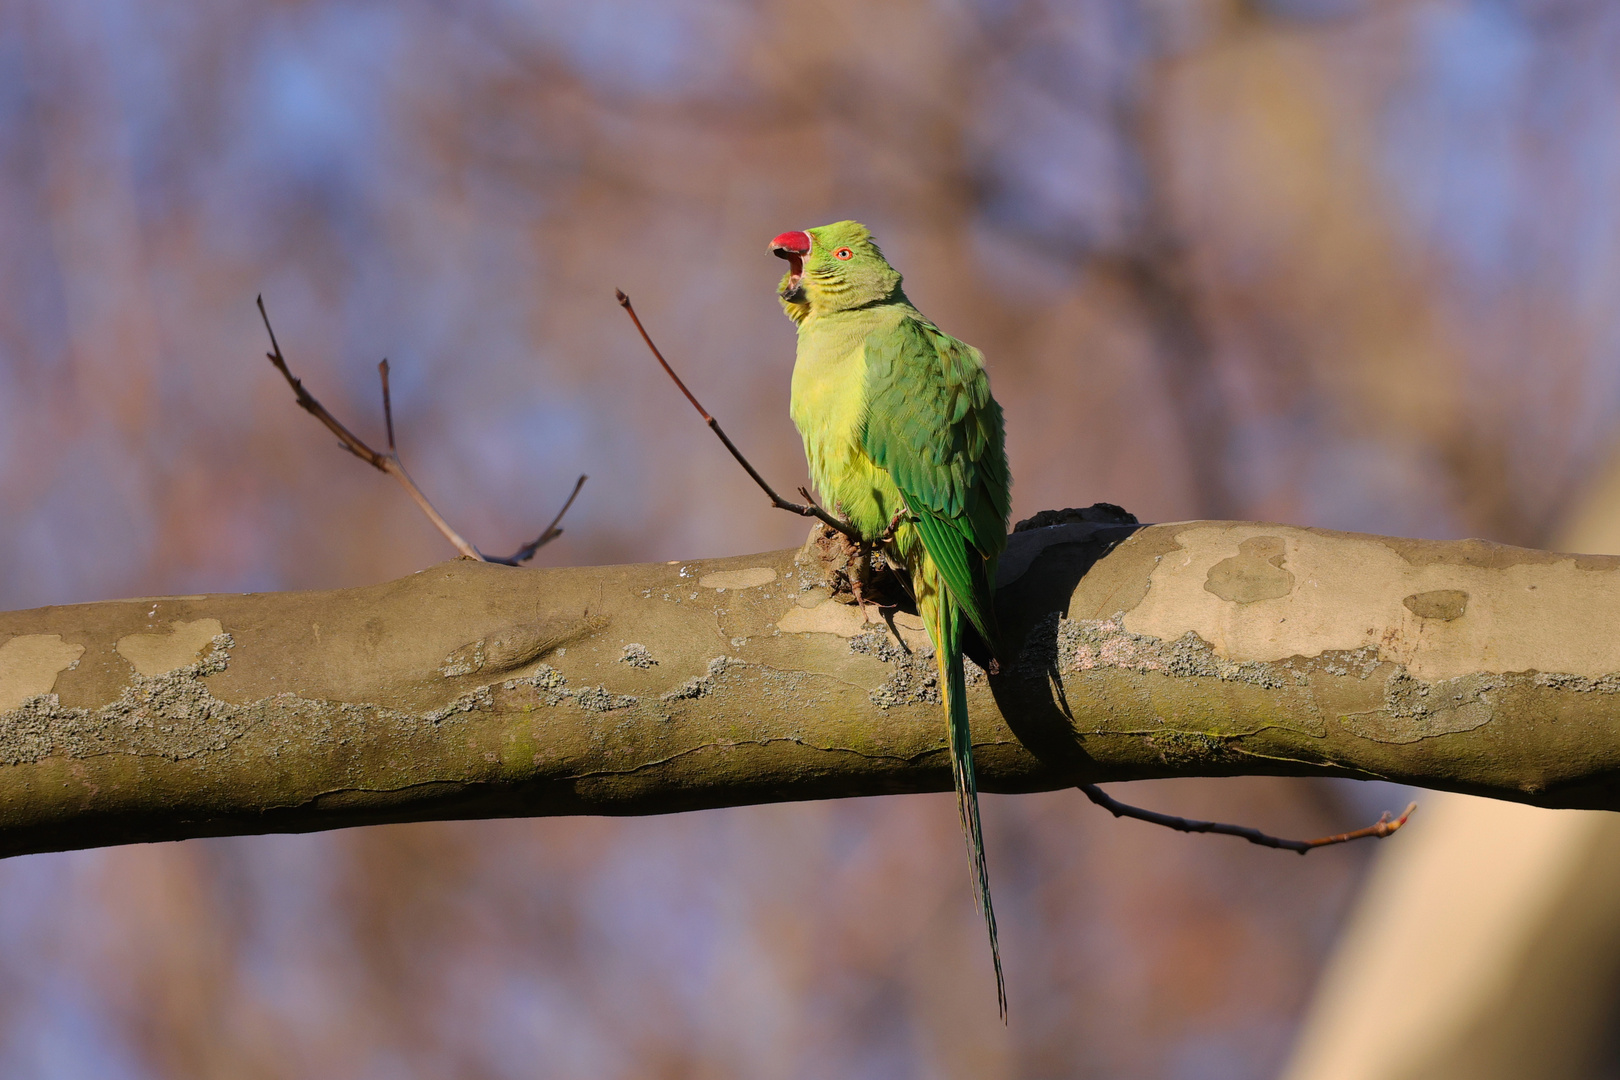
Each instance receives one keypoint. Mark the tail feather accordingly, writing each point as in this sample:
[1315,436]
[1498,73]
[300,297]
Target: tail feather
[953,688]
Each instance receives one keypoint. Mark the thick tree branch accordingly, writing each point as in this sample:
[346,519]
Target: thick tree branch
[471,690]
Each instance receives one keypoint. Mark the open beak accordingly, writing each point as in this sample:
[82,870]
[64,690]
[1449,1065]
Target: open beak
[792,246]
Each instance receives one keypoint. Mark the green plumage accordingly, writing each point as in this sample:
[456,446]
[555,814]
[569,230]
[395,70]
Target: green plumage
[897,418]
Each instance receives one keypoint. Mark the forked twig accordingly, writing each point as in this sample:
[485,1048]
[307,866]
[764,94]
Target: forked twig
[1383,827]
[550,533]
[808,508]
[389,463]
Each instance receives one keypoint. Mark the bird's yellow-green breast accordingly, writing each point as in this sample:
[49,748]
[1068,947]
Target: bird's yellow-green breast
[829,409]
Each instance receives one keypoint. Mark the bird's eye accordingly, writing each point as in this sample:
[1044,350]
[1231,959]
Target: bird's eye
[843,253]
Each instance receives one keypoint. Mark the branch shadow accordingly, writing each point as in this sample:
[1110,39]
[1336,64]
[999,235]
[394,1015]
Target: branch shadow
[1045,559]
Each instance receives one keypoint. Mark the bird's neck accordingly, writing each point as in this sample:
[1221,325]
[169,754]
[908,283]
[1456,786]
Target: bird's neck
[889,309]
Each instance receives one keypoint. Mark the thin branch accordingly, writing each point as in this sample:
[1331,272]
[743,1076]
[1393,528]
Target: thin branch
[894,523]
[306,401]
[389,463]
[804,509]
[388,405]
[550,533]
[1383,827]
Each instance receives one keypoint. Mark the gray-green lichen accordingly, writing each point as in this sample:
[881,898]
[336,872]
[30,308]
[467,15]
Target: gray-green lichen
[695,687]
[600,699]
[878,642]
[1408,709]
[1361,663]
[636,655]
[1608,684]
[703,685]
[915,678]
[473,700]
[548,683]
[913,681]
[464,661]
[1414,709]
[551,689]
[1088,644]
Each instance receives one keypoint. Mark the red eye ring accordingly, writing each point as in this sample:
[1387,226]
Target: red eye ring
[843,253]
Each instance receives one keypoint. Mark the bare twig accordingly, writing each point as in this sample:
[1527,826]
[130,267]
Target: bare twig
[388,402]
[1383,827]
[550,533]
[389,463]
[806,509]
[894,523]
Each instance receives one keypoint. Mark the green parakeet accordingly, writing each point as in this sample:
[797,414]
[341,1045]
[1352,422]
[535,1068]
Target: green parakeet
[898,423]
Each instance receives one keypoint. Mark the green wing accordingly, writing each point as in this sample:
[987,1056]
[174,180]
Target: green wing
[932,425]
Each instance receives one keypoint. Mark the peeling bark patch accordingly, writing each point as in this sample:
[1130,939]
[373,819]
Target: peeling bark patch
[827,617]
[750,578]
[1441,604]
[915,634]
[1525,610]
[850,621]
[29,665]
[154,654]
[169,715]
[1254,573]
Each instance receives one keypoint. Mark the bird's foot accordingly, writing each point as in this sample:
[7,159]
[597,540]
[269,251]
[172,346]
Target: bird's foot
[857,571]
[900,515]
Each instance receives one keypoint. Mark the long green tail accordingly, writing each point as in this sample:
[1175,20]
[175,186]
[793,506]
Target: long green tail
[953,688]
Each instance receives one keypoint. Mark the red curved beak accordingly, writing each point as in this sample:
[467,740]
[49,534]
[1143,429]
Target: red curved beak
[792,246]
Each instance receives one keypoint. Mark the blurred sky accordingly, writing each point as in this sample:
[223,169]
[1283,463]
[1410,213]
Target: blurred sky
[1347,263]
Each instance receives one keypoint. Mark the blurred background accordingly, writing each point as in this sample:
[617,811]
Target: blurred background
[1345,263]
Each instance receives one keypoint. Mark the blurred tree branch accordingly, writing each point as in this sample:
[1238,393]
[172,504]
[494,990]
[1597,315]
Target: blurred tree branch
[470,690]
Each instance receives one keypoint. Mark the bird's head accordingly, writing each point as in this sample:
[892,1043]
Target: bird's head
[833,268]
